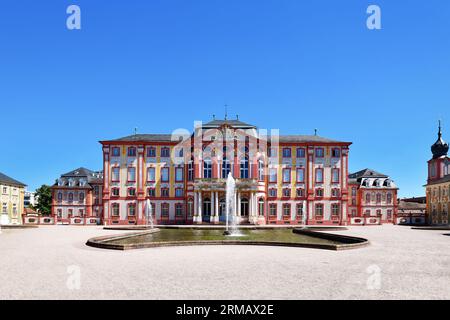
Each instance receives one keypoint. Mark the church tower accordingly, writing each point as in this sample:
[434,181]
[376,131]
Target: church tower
[437,165]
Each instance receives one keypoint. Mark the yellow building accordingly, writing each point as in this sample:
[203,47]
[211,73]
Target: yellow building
[11,200]
[438,185]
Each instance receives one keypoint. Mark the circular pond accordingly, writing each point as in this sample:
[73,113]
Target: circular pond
[193,236]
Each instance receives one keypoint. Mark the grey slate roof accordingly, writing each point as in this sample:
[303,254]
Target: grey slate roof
[146,137]
[8,180]
[442,180]
[78,175]
[233,123]
[367,173]
[306,138]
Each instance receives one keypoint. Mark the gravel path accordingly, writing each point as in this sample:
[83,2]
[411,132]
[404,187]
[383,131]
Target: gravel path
[400,263]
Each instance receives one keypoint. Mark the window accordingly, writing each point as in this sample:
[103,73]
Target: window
[319,210]
[80,212]
[286,152]
[115,211]
[261,207]
[179,192]
[226,167]
[70,212]
[165,210]
[320,153]
[353,213]
[96,190]
[60,196]
[179,212]
[389,198]
[165,192]
[132,152]
[301,152]
[116,152]
[244,168]
[70,197]
[335,209]
[378,197]
[190,208]
[335,193]
[191,170]
[179,174]
[336,153]
[367,212]
[165,174]
[165,152]
[389,214]
[272,175]
[273,209]
[272,193]
[151,192]
[354,192]
[81,196]
[5,190]
[273,152]
[286,175]
[59,213]
[300,193]
[115,192]
[367,198]
[299,209]
[131,192]
[335,175]
[286,192]
[260,170]
[378,212]
[5,208]
[115,174]
[207,169]
[151,152]
[131,175]
[286,209]
[319,175]
[300,175]
[179,152]
[319,193]
[131,210]
[151,174]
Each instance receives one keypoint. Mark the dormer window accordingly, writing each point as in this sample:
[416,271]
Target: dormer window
[116,152]
[165,152]
[132,152]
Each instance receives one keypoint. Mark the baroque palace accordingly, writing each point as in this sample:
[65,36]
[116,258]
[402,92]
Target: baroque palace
[438,184]
[280,179]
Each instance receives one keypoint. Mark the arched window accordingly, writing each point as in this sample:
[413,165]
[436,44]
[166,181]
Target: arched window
[261,207]
[115,210]
[389,198]
[226,167]
[378,197]
[367,198]
[70,197]
[191,170]
[190,207]
[244,168]
[260,170]
[60,196]
[81,196]
[207,169]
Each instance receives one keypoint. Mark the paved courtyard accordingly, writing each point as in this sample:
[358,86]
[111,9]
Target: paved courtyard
[400,263]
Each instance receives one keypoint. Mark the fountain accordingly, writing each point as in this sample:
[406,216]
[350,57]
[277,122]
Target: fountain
[149,213]
[231,219]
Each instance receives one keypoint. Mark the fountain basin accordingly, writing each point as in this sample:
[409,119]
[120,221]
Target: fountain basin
[190,237]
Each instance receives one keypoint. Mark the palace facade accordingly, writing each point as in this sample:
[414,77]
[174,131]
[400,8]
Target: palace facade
[11,200]
[77,198]
[438,184]
[373,198]
[280,179]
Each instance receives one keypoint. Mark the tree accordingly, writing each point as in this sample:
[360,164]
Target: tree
[44,200]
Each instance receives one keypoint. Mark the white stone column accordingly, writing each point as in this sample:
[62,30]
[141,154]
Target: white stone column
[217,205]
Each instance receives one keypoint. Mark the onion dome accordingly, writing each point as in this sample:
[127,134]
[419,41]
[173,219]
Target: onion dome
[440,147]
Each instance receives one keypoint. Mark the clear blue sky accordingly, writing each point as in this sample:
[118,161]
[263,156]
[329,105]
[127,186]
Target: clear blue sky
[158,65]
